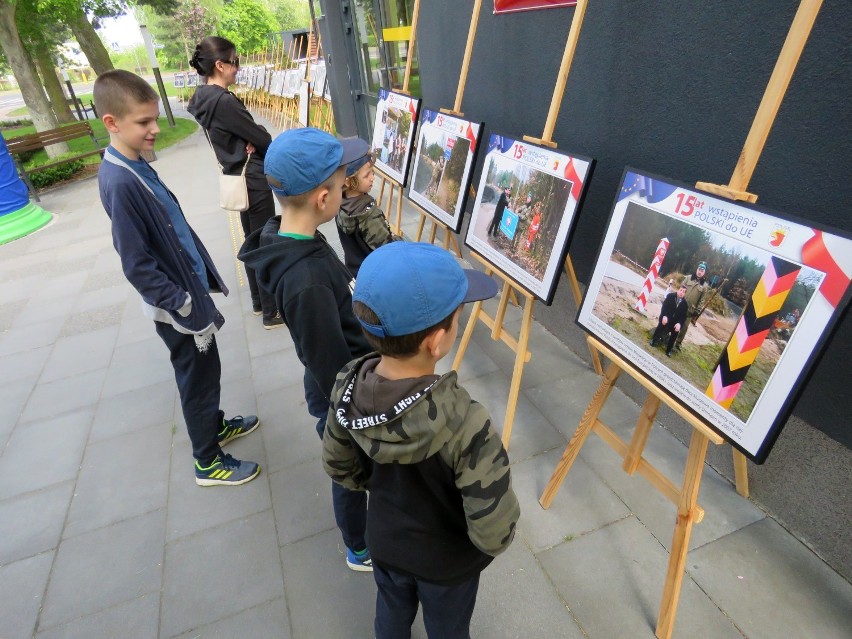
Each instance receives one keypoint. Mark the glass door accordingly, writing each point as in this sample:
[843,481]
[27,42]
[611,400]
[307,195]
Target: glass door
[382,31]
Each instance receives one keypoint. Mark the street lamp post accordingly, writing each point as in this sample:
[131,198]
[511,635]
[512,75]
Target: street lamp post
[67,79]
[155,67]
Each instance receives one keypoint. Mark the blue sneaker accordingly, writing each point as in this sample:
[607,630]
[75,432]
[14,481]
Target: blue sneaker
[359,561]
[237,427]
[225,471]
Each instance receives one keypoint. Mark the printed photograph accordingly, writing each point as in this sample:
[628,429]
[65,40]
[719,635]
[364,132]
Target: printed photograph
[525,206]
[393,133]
[719,303]
[443,165]
[687,316]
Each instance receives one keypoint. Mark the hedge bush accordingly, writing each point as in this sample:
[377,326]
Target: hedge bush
[56,174]
[15,124]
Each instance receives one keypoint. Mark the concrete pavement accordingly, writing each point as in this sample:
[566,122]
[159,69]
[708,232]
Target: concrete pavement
[105,534]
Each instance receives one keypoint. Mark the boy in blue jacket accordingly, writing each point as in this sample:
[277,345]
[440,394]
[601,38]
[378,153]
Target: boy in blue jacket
[164,260]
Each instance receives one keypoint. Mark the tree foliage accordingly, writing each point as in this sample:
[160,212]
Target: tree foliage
[182,29]
[247,23]
[291,14]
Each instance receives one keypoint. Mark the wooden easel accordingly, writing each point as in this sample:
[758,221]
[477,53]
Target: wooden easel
[686,498]
[510,288]
[448,234]
[396,224]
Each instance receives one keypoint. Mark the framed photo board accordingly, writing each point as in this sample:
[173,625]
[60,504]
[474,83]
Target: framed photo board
[525,207]
[393,133]
[443,165]
[770,291]
[180,80]
[192,79]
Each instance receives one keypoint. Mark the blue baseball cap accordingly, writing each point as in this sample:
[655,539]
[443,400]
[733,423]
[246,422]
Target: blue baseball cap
[411,286]
[300,160]
[702,265]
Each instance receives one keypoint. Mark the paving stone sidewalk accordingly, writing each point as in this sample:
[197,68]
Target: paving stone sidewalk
[104,534]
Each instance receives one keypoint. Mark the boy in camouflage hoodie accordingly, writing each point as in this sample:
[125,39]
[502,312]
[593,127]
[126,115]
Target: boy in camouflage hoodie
[441,499]
[361,224]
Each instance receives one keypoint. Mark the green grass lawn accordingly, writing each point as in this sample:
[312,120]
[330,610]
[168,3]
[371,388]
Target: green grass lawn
[168,136]
[696,363]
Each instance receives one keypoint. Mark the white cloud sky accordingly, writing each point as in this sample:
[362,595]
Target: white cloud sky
[121,32]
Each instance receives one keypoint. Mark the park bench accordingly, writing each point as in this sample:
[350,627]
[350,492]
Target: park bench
[42,139]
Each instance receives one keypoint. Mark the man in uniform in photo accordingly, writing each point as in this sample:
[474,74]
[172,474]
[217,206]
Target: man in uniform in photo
[697,289]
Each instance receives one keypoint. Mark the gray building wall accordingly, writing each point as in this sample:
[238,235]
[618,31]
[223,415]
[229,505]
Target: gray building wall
[672,87]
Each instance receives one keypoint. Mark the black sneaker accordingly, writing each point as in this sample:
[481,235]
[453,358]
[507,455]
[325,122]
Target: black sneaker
[226,471]
[273,322]
[237,427]
[256,308]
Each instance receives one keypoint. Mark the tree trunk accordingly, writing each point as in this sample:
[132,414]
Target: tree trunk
[90,42]
[54,89]
[22,67]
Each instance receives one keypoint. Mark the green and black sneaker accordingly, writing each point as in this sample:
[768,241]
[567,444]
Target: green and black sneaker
[226,471]
[237,427]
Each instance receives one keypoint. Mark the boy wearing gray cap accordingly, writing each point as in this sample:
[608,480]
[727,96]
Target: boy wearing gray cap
[441,499]
[293,262]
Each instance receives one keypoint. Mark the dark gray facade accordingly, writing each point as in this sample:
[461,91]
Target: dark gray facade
[672,88]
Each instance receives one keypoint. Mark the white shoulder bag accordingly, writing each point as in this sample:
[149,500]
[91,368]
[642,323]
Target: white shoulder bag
[233,192]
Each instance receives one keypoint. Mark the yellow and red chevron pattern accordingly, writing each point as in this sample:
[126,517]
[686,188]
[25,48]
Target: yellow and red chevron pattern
[751,331]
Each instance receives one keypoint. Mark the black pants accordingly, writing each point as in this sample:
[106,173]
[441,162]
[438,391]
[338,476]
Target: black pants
[197,375]
[495,222]
[660,334]
[261,208]
[447,610]
[350,506]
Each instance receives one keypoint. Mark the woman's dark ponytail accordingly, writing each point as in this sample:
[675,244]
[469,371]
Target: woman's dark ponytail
[209,51]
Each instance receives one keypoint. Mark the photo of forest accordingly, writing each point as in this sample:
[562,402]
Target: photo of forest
[733,270]
[530,205]
[442,166]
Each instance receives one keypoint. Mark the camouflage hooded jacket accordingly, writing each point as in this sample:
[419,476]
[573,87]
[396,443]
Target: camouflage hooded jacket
[362,228]
[441,499]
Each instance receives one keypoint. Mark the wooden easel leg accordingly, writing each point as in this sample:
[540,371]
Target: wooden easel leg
[399,212]
[433,232]
[588,420]
[640,435]
[501,311]
[682,532]
[520,357]
[381,192]
[455,244]
[578,298]
[468,332]
[420,224]
[740,472]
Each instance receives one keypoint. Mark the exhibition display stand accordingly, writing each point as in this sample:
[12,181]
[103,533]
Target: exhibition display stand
[685,497]
[394,187]
[510,287]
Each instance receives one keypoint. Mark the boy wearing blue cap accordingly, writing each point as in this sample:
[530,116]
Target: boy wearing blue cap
[441,499]
[294,263]
[361,225]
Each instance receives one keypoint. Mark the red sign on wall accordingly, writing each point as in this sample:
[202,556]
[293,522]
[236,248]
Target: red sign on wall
[510,6]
